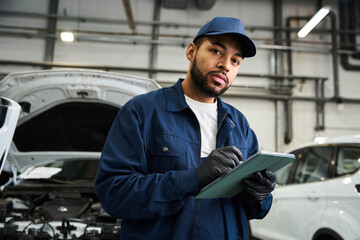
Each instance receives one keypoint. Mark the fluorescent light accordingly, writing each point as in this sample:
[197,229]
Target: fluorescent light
[67,36]
[314,21]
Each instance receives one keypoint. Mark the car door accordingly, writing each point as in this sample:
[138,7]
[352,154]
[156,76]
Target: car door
[267,228]
[343,194]
[300,203]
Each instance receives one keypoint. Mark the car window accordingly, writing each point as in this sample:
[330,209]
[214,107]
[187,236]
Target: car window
[312,164]
[348,160]
[282,174]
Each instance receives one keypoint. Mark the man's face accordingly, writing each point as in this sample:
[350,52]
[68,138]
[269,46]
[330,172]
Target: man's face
[216,64]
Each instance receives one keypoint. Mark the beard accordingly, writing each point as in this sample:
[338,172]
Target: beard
[201,82]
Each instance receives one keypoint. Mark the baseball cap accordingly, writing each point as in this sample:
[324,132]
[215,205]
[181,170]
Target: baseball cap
[226,25]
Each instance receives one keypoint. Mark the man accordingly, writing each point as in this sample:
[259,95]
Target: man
[166,145]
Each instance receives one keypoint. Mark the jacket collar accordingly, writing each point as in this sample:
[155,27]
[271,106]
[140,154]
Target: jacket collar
[175,97]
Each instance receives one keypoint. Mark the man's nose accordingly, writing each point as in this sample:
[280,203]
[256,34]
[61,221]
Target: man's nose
[224,63]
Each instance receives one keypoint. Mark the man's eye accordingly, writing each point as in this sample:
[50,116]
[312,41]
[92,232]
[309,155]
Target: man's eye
[216,51]
[235,61]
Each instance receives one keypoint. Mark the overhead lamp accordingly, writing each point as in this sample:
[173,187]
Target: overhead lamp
[314,21]
[67,36]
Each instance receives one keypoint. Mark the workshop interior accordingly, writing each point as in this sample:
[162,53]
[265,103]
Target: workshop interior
[68,67]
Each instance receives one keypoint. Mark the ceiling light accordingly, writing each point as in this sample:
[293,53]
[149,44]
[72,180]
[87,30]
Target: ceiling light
[313,21]
[67,36]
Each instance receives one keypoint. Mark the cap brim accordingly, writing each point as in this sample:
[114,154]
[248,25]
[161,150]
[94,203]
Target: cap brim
[249,49]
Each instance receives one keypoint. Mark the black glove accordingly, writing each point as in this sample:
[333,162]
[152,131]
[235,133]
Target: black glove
[261,186]
[218,162]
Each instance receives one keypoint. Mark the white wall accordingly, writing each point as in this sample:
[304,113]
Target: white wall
[266,119]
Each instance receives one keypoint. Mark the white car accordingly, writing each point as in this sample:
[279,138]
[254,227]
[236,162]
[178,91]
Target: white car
[318,196]
[53,159]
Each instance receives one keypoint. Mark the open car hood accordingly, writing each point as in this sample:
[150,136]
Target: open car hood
[9,114]
[65,114]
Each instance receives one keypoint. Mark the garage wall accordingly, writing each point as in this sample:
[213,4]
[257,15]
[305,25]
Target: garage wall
[265,116]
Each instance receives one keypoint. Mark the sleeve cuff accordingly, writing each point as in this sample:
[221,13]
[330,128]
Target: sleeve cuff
[188,182]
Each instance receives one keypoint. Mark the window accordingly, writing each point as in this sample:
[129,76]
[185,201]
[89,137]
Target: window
[282,174]
[312,164]
[348,160]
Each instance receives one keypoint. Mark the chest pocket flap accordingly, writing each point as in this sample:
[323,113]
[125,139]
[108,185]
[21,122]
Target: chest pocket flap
[165,153]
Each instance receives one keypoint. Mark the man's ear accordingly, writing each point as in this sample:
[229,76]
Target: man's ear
[190,52]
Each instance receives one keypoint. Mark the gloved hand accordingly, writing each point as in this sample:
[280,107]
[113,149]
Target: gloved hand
[218,162]
[261,186]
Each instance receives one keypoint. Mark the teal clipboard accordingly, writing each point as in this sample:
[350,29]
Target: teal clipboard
[228,185]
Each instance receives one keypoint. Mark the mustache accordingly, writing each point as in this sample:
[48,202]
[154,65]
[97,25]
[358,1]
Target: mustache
[221,72]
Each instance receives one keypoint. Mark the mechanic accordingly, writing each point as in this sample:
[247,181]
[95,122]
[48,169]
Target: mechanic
[166,145]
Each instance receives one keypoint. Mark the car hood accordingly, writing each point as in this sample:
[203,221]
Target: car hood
[65,114]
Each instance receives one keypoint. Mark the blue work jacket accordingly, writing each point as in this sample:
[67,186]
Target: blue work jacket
[148,171]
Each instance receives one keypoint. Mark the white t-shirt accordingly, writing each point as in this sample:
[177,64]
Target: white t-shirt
[206,114]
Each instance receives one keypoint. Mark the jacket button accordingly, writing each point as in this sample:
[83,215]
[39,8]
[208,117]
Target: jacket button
[165,149]
[232,122]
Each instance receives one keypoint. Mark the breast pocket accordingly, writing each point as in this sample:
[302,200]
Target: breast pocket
[165,153]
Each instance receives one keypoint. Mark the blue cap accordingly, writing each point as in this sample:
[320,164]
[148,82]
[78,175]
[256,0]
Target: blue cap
[226,25]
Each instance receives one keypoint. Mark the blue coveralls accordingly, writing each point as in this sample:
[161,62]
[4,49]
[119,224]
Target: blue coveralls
[148,171]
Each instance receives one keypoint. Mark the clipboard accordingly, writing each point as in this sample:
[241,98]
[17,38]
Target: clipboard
[228,185]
